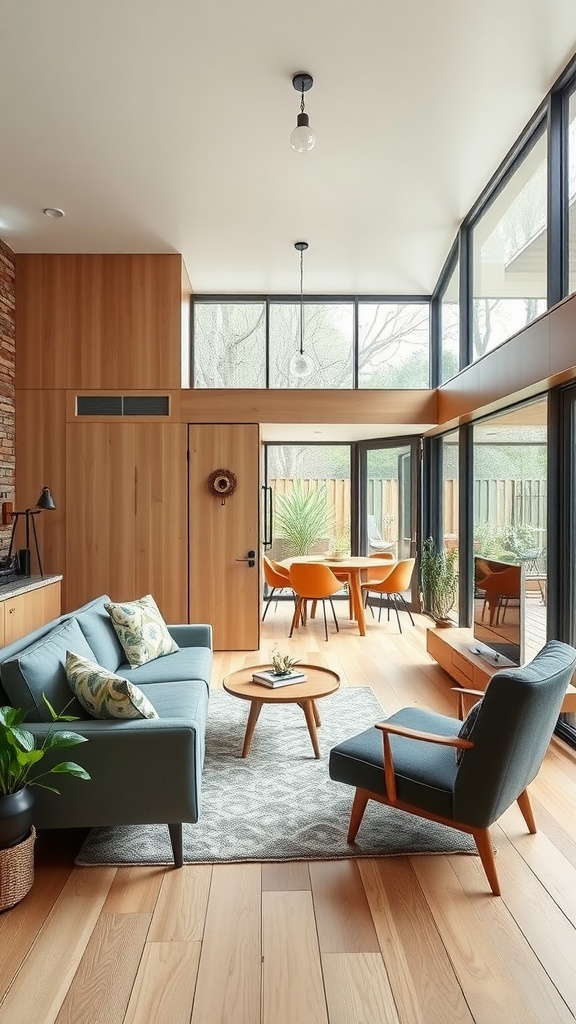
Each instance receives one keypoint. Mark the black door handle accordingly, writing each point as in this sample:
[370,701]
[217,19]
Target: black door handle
[250,559]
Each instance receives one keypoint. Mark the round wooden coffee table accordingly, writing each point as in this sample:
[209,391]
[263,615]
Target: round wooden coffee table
[320,683]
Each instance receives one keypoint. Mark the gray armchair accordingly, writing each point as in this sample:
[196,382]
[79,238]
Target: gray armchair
[417,761]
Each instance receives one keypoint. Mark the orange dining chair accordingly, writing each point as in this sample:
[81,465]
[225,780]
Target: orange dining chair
[393,587]
[379,572]
[312,581]
[277,577]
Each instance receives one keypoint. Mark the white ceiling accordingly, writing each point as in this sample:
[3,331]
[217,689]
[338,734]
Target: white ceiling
[163,126]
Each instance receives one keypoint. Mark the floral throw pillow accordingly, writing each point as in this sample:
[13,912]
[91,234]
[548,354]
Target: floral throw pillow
[103,694]
[141,630]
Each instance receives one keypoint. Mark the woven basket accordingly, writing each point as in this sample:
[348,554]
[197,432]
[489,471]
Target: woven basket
[16,871]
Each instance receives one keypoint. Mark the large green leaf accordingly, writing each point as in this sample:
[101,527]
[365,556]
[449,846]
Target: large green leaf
[55,740]
[70,768]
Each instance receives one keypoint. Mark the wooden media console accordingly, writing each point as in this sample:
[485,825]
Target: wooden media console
[451,649]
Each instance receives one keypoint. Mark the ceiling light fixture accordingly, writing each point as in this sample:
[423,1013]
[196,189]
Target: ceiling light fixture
[302,138]
[53,212]
[300,364]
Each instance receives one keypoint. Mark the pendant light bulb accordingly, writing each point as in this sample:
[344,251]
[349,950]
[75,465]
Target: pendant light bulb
[301,365]
[302,138]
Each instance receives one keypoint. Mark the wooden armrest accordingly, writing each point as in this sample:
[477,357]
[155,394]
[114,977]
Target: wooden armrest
[411,734]
[463,692]
[429,737]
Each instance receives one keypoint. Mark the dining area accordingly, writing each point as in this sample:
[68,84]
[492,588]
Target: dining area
[314,579]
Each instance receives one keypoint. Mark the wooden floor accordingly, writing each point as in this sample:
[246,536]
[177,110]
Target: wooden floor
[416,940]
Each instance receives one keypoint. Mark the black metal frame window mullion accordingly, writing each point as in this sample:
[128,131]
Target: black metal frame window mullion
[465,524]
[436,337]
[557,200]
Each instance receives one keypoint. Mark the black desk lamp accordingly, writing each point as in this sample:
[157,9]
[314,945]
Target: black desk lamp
[45,503]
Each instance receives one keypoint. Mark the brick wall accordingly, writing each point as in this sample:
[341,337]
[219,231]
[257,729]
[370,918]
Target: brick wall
[7,381]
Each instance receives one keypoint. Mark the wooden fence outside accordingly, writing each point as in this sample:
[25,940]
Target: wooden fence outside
[496,502]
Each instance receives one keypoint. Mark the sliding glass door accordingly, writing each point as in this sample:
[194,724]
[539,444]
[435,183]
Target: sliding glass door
[389,479]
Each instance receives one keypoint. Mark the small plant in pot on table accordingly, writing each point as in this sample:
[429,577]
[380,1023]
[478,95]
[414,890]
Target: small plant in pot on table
[19,755]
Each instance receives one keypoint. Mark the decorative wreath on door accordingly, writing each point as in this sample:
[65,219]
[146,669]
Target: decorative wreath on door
[222,482]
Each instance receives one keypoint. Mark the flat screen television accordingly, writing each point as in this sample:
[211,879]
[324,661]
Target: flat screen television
[498,627]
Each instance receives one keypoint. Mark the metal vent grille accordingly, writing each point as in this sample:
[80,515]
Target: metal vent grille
[146,405]
[122,405]
[98,405]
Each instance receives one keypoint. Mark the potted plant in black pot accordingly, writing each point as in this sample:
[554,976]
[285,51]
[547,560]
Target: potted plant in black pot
[439,577]
[19,756]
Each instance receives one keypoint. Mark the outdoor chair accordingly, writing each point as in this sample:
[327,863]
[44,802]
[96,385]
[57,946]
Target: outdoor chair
[463,774]
[375,540]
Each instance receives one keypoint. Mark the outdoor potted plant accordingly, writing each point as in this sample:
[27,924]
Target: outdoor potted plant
[439,577]
[19,754]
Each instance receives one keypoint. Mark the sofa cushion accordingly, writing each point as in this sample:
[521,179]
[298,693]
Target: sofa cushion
[40,668]
[187,663]
[141,630]
[103,694]
[97,627]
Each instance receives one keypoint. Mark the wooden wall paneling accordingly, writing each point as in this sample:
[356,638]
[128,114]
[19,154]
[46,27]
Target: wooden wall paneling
[127,518]
[161,537]
[250,405]
[99,321]
[40,461]
[100,474]
[224,591]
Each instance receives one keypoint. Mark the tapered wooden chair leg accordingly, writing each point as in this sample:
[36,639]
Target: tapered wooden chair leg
[483,841]
[361,798]
[296,616]
[525,806]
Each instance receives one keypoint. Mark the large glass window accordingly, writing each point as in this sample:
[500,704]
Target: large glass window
[328,341]
[450,496]
[509,255]
[393,344]
[310,498]
[572,193]
[450,326]
[229,345]
[510,487]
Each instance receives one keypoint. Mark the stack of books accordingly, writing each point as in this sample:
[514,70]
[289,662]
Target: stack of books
[269,678]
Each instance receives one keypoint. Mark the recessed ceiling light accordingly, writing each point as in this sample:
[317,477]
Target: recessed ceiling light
[53,212]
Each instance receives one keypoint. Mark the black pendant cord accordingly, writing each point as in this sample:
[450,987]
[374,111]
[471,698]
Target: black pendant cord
[302,291]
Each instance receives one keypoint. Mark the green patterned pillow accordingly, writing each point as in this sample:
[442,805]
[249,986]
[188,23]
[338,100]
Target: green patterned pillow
[141,630]
[103,694]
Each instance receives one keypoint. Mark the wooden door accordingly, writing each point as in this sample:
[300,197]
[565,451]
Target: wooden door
[225,589]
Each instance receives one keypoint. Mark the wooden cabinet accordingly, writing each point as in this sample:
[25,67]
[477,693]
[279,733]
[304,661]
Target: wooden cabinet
[451,649]
[127,514]
[22,613]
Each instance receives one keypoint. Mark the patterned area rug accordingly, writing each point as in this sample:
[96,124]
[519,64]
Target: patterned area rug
[279,803]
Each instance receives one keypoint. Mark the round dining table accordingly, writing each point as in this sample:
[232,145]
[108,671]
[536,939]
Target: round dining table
[356,568]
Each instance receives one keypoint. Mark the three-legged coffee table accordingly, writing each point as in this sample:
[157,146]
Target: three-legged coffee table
[320,683]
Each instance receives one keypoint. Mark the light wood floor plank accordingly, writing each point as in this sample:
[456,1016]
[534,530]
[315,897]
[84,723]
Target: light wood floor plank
[20,925]
[103,982]
[493,962]
[164,988]
[425,988]
[357,989]
[181,905]
[550,934]
[134,890]
[343,916]
[40,987]
[293,992]
[292,874]
[230,970]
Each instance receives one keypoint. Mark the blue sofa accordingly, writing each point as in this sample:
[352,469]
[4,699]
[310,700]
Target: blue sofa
[142,771]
